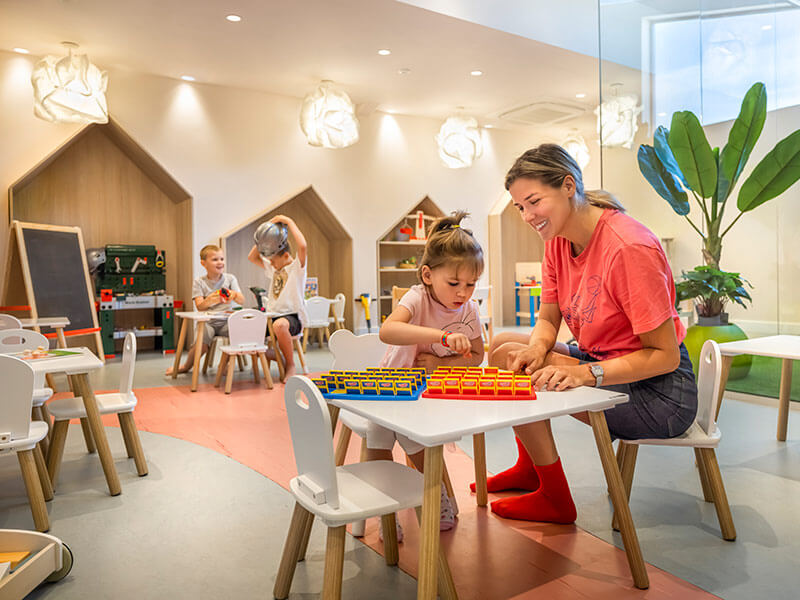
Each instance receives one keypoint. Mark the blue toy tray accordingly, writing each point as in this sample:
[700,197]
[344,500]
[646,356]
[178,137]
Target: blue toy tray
[341,396]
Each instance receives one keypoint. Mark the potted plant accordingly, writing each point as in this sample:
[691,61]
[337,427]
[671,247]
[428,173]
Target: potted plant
[681,163]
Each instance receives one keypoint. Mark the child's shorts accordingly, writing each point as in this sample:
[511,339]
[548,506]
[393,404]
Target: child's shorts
[380,438]
[660,407]
[295,327]
[215,327]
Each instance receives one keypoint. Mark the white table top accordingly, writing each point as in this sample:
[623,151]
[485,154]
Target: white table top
[45,322]
[777,346]
[432,422]
[83,362]
[210,315]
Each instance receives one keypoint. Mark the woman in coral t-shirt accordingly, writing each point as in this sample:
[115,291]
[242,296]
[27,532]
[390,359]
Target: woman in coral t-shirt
[607,276]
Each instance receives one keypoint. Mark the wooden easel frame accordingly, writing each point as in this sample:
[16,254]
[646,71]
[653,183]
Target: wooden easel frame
[22,268]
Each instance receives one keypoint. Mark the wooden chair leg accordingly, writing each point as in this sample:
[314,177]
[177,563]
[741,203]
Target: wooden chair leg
[390,550]
[265,365]
[304,540]
[87,436]
[47,419]
[358,528]
[229,379]
[56,450]
[341,445]
[305,339]
[320,337]
[718,491]
[38,415]
[254,360]
[128,425]
[300,355]
[209,359]
[479,452]
[221,368]
[448,485]
[240,360]
[291,550]
[708,495]
[628,466]
[41,471]
[334,561]
[27,465]
[326,334]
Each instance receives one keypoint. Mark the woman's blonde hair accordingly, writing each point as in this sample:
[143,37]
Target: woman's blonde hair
[450,244]
[550,164]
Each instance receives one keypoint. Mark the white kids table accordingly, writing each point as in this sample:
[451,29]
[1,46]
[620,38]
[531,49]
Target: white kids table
[433,422]
[785,347]
[56,323]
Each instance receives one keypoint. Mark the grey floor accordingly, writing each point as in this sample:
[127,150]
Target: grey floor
[201,525]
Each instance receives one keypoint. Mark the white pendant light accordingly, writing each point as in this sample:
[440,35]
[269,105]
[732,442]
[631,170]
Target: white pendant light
[576,147]
[617,119]
[69,89]
[328,117]
[459,141]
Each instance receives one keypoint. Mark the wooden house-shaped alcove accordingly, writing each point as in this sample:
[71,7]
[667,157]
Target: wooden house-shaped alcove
[330,247]
[104,182]
[392,251]
[511,240]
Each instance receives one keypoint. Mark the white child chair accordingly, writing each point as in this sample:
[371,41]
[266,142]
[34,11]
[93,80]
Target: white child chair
[703,436]
[121,403]
[317,311]
[338,495]
[9,322]
[247,329]
[20,435]
[337,320]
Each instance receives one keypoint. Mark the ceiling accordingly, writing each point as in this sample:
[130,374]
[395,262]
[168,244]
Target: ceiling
[287,47]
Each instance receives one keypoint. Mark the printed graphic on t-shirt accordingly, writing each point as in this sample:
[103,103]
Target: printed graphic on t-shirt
[581,312]
[278,281]
[468,325]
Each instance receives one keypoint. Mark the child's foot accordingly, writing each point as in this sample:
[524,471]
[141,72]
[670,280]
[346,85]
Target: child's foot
[181,369]
[399,531]
[447,516]
[551,503]
[522,476]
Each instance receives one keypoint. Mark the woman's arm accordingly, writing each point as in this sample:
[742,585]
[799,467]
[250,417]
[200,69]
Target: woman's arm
[659,354]
[543,338]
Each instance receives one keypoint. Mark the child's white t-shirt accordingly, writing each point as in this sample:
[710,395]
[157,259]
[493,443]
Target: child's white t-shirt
[286,289]
[427,312]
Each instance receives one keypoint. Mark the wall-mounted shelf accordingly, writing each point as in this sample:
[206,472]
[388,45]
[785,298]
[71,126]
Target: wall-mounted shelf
[397,270]
[408,243]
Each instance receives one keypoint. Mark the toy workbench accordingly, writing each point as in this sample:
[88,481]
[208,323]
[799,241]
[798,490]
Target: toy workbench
[372,384]
[475,383]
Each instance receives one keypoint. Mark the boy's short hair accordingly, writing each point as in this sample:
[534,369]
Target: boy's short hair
[207,249]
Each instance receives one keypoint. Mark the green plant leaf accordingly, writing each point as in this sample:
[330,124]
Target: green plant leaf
[693,153]
[742,138]
[664,153]
[776,172]
[663,181]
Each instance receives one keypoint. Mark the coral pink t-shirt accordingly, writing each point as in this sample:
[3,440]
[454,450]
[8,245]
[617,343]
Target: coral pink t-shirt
[427,312]
[619,287]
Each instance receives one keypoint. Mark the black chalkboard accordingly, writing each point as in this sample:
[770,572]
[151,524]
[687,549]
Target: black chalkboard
[58,276]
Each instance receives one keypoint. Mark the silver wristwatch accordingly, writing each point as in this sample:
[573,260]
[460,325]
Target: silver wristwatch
[598,373]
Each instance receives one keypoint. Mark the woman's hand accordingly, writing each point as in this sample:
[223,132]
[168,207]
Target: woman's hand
[527,360]
[429,362]
[556,378]
[459,343]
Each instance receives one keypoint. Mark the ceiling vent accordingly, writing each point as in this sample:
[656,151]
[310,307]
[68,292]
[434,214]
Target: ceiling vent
[542,113]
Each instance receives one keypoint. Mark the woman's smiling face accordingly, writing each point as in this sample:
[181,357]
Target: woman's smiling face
[546,209]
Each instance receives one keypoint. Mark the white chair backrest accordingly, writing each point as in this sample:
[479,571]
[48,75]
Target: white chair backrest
[338,308]
[17,340]
[708,382]
[481,296]
[247,327]
[15,408]
[310,424]
[355,352]
[128,364]
[317,309]
[9,322]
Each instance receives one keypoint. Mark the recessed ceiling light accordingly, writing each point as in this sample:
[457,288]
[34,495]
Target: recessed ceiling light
[403,71]
[766,27]
[234,18]
[187,78]
[580,95]
[661,114]
[384,52]
[21,50]
[476,73]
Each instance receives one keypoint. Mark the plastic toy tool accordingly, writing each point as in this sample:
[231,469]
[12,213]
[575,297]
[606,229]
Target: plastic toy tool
[372,384]
[365,304]
[475,383]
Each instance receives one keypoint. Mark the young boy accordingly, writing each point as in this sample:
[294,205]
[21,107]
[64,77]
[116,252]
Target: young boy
[214,290]
[286,281]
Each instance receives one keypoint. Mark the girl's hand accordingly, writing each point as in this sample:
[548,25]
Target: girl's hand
[429,362]
[558,378]
[459,343]
[528,360]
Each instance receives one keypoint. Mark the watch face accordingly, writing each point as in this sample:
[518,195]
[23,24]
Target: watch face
[597,370]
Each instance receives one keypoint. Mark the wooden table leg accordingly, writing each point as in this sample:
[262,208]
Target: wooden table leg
[179,350]
[274,344]
[198,344]
[783,398]
[62,341]
[427,584]
[82,387]
[726,369]
[479,454]
[619,499]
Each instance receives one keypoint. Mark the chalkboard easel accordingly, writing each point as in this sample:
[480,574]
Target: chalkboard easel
[46,270]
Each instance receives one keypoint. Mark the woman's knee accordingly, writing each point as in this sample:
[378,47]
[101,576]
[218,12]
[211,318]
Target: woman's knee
[499,358]
[507,336]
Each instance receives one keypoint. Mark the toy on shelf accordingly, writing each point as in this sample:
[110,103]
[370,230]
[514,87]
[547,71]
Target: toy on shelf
[372,384]
[476,383]
[408,263]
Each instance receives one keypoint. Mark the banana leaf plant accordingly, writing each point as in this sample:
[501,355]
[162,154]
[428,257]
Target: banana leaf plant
[681,164]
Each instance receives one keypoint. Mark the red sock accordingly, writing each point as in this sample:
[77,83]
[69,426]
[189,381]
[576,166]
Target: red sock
[522,476]
[551,503]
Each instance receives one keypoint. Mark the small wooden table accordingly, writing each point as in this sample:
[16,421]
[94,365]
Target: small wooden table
[785,347]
